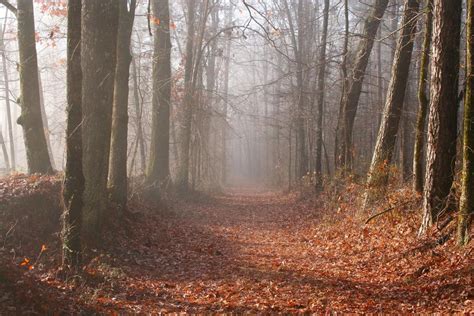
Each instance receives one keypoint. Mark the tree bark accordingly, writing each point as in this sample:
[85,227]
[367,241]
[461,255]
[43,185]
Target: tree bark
[406,143]
[339,160]
[7,101]
[158,167]
[211,74]
[466,203]
[44,118]
[298,40]
[138,114]
[387,136]
[118,145]
[302,167]
[33,132]
[4,151]
[423,101]
[344,150]
[73,186]
[187,113]
[228,47]
[98,58]
[321,81]
[442,120]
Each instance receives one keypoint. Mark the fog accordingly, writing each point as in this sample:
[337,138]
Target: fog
[252,109]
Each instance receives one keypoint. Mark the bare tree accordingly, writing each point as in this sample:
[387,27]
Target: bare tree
[345,123]
[320,89]
[6,81]
[185,138]
[118,146]
[37,155]
[158,173]
[387,136]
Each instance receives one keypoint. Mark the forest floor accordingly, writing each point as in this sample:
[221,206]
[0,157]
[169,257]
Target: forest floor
[242,251]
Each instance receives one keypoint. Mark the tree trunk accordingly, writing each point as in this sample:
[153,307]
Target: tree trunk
[442,120]
[33,132]
[289,158]
[406,140]
[187,113]
[44,118]
[138,114]
[4,151]
[344,150]
[73,186]
[319,119]
[466,205]
[302,162]
[118,145]
[158,173]
[226,99]
[98,58]
[423,101]
[339,160]
[211,74]
[7,102]
[387,136]
[297,40]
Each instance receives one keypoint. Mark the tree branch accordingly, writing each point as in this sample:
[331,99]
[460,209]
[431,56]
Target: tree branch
[386,211]
[9,6]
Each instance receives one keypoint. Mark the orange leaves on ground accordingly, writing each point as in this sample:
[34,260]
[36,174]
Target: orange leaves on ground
[25,262]
[247,252]
[31,265]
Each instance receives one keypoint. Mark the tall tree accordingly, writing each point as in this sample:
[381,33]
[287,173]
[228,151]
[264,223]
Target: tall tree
[6,81]
[466,205]
[138,115]
[387,136]
[298,43]
[211,87]
[73,186]
[345,123]
[301,137]
[118,146]
[37,155]
[442,120]
[228,46]
[187,110]
[158,173]
[321,80]
[423,101]
[98,59]
[339,157]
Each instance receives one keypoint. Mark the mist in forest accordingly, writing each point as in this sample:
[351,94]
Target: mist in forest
[236,156]
[251,107]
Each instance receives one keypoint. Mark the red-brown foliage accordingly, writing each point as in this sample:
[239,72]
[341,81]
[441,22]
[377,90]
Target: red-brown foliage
[239,252]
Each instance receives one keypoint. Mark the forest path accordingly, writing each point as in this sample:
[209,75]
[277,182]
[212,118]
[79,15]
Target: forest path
[250,252]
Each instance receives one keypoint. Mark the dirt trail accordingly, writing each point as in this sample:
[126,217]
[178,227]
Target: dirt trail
[249,252]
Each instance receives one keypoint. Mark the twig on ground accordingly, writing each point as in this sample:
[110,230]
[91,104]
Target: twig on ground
[391,208]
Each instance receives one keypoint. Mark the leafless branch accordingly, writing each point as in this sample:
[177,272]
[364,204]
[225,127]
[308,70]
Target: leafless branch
[9,6]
